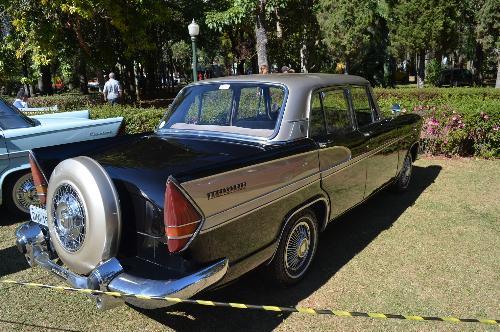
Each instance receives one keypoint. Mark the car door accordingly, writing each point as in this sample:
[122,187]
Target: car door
[4,155]
[381,135]
[341,148]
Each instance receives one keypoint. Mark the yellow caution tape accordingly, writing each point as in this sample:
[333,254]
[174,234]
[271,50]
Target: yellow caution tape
[312,311]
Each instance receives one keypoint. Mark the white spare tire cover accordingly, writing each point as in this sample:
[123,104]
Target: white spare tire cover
[83,214]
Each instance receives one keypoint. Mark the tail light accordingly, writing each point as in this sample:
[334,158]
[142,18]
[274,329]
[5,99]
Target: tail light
[38,180]
[181,218]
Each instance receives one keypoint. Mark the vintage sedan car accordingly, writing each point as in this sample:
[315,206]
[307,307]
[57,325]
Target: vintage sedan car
[242,172]
[20,133]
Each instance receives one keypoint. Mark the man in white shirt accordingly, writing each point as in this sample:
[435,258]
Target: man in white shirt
[21,99]
[112,90]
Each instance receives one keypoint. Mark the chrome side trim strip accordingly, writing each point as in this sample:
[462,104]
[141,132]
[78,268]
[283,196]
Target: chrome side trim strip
[328,172]
[4,156]
[22,136]
[224,217]
[325,222]
[18,154]
[260,179]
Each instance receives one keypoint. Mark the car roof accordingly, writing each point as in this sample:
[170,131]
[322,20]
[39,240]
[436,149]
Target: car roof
[293,80]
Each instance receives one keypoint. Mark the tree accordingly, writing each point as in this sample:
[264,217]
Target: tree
[346,26]
[488,31]
[422,27]
[241,13]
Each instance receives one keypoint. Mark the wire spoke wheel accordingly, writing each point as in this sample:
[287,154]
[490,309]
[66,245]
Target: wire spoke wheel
[406,172]
[297,248]
[69,217]
[24,193]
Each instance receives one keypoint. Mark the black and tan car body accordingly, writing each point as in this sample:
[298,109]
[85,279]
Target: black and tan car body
[246,188]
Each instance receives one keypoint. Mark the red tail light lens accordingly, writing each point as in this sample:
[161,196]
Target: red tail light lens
[180,217]
[39,180]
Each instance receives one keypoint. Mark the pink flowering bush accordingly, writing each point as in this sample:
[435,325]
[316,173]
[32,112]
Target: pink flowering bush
[457,121]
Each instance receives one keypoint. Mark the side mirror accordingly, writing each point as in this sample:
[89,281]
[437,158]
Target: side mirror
[396,109]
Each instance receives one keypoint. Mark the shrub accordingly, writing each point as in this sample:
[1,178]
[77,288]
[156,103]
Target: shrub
[458,121]
[433,72]
[66,102]
[136,120]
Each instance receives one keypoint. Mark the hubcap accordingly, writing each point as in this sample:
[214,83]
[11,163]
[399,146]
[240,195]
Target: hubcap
[298,251]
[406,171]
[24,193]
[69,218]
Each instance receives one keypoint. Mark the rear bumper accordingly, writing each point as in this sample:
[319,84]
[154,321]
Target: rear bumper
[110,276]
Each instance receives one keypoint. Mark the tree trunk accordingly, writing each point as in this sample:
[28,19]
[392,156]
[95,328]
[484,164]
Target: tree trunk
[279,29]
[477,63]
[136,81]
[261,34]
[26,74]
[497,84]
[82,73]
[420,70]
[346,66]
[45,81]
[303,51]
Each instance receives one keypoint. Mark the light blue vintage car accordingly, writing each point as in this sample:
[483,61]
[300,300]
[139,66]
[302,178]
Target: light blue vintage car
[20,133]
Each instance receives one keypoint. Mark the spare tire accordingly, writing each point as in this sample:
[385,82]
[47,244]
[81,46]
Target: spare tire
[84,215]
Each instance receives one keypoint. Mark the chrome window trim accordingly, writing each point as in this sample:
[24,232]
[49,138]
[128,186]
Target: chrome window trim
[335,168]
[221,134]
[305,206]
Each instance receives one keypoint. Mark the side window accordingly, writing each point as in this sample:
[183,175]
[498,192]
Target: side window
[316,118]
[362,106]
[252,104]
[277,95]
[216,107]
[337,114]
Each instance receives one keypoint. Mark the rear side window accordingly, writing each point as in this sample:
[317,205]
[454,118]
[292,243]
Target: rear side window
[317,119]
[365,113]
[337,114]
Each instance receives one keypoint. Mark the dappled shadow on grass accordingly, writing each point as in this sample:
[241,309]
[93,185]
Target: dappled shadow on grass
[342,240]
[34,326]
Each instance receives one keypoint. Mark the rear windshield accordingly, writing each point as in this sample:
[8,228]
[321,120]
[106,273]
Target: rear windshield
[12,118]
[240,108]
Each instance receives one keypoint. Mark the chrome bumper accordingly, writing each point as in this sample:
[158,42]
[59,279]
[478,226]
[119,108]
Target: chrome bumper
[109,275]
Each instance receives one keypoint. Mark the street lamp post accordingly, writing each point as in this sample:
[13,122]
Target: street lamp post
[194,30]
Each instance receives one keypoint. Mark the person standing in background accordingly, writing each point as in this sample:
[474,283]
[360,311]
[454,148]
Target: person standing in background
[112,90]
[21,99]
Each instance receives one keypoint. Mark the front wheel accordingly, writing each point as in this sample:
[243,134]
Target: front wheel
[21,193]
[296,249]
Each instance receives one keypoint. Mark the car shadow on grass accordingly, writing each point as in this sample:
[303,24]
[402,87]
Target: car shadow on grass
[8,218]
[338,244]
[12,261]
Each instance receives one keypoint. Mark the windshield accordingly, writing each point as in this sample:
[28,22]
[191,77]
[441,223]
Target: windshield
[238,108]
[12,118]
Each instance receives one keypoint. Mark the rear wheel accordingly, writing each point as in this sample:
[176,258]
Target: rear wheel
[296,249]
[21,193]
[404,177]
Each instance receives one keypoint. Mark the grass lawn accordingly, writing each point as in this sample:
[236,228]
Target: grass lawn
[433,250]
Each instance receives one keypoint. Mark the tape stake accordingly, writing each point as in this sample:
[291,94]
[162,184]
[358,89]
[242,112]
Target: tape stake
[310,311]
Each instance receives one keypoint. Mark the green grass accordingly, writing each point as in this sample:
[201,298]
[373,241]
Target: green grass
[431,251]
